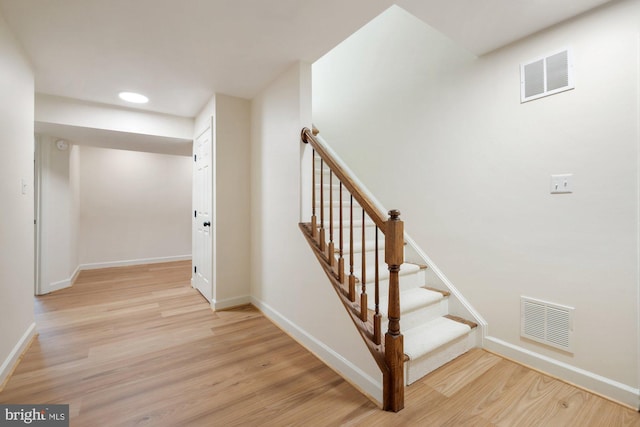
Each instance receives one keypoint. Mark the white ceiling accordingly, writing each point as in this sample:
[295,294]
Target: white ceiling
[181,52]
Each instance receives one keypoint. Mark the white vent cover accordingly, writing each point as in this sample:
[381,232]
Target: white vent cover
[547,323]
[546,76]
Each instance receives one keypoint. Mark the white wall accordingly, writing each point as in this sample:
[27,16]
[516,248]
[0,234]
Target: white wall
[16,209]
[287,282]
[201,121]
[233,138]
[59,213]
[134,206]
[74,181]
[106,126]
[74,112]
[470,173]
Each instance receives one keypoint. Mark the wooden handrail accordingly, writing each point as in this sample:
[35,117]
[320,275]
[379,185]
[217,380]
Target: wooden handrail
[388,353]
[374,213]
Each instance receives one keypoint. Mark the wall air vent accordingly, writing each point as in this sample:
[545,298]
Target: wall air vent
[546,76]
[547,323]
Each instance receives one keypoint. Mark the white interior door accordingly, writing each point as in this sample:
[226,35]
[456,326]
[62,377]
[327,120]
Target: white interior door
[203,223]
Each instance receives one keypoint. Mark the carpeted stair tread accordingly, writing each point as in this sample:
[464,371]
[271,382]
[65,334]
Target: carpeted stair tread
[427,337]
[445,293]
[383,270]
[411,300]
[336,204]
[369,245]
[459,319]
[357,223]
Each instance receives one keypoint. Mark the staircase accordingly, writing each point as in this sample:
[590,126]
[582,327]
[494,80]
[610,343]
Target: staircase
[360,250]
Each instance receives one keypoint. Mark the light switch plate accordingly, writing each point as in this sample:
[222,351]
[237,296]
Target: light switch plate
[561,183]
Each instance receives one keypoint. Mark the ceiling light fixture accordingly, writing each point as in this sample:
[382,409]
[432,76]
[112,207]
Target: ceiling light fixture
[136,98]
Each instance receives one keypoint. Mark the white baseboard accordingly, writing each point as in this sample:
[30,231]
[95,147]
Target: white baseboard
[56,286]
[10,362]
[603,386]
[126,263]
[74,276]
[67,283]
[230,302]
[370,386]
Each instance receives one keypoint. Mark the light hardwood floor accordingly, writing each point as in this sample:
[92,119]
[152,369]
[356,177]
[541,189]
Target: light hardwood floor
[137,346]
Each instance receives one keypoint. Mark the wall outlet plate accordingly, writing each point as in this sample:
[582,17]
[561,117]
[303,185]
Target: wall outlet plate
[561,184]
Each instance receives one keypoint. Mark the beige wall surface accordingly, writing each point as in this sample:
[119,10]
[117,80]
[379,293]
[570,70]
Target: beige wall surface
[233,213]
[133,205]
[59,213]
[287,282]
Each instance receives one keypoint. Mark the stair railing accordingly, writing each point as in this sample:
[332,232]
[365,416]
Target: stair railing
[388,353]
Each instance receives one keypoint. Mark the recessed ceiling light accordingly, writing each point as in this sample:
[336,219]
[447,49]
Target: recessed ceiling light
[136,98]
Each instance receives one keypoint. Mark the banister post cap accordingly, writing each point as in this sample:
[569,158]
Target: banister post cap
[303,135]
[394,214]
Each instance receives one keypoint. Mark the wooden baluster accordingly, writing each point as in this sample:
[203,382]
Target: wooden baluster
[341,259]
[321,241]
[331,249]
[377,318]
[314,220]
[352,278]
[393,379]
[363,278]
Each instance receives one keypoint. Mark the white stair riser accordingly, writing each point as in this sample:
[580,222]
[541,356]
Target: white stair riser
[346,196]
[357,216]
[416,369]
[370,251]
[346,213]
[369,236]
[357,223]
[327,201]
[357,249]
[369,230]
[408,281]
[420,316]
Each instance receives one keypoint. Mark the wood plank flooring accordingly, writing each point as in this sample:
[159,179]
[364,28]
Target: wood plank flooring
[137,346]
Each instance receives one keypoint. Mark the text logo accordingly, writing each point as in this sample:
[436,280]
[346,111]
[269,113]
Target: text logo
[34,415]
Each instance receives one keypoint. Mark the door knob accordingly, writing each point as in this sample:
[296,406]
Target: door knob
[207,224]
